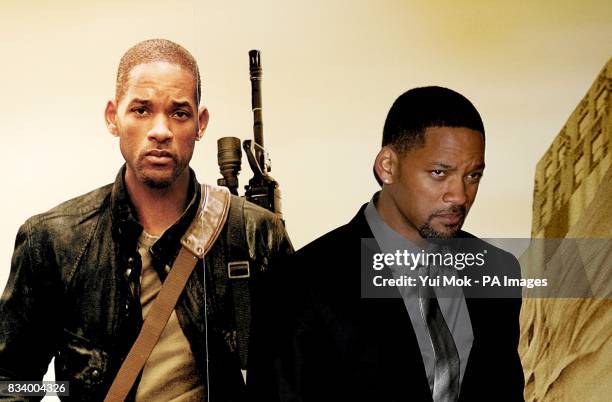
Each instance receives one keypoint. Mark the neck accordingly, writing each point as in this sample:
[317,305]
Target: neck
[158,208]
[391,214]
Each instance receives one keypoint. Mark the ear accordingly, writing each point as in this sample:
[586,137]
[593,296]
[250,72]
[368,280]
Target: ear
[202,122]
[386,165]
[110,116]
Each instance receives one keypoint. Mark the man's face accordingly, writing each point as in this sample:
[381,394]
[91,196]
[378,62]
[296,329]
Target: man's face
[434,186]
[157,122]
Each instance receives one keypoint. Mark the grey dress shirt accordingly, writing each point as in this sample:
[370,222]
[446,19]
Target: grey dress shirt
[454,309]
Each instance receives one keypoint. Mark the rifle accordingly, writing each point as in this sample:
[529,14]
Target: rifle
[262,189]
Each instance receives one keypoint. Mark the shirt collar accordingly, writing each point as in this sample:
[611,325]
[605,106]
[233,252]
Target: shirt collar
[126,228]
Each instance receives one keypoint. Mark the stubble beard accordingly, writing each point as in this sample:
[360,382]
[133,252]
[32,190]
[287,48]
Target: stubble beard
[158,181]
[427,230]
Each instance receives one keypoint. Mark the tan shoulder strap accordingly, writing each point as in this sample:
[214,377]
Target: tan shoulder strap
[196,242]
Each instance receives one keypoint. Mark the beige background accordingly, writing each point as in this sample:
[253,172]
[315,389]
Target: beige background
[331,71]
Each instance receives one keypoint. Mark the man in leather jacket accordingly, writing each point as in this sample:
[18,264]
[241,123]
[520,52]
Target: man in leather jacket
[76,290]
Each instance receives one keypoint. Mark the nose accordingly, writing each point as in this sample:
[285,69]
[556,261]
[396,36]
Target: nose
[456,192]
[160,131]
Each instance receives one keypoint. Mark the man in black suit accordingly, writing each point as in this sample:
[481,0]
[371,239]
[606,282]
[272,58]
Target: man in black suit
[335,326]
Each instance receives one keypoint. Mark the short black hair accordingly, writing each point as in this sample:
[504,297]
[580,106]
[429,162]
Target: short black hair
[420,108]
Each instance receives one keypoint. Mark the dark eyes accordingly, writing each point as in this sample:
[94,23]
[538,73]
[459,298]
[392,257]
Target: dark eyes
[475,175]
[141,110]
[144,111]
[440,174]
[181,114]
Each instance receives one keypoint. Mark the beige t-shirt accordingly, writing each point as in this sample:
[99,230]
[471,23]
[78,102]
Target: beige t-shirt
[169,374]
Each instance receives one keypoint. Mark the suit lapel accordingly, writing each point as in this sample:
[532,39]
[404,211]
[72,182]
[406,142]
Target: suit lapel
[389,348]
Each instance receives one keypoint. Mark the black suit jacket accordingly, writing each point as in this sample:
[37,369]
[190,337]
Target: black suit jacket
[315,339]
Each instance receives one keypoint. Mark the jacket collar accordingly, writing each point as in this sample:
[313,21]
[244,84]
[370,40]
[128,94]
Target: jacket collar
[126,228]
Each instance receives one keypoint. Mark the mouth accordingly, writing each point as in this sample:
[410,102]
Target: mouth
[450,219]
[159,156]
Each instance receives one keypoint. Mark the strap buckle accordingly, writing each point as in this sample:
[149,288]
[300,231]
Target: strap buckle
[238,270]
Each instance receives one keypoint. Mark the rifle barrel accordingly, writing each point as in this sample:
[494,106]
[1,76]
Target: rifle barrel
[256,73]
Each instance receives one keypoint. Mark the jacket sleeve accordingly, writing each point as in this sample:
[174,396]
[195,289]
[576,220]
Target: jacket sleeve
[271,332]
[507,327]
[28,311]
[516,377]
[496,345]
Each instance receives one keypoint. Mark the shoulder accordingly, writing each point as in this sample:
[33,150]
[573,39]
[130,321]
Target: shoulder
[493,261]
[327,257]
[254,214]
[335,239]
[70,214]
[342,244]
[257,221]
[264,230]
[473,243]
